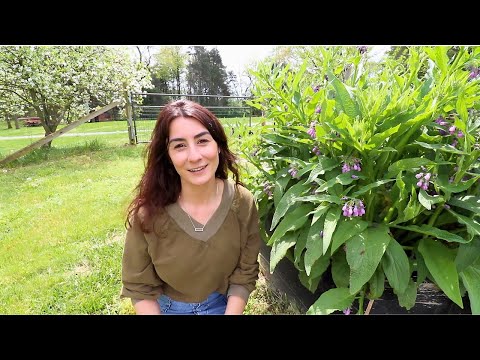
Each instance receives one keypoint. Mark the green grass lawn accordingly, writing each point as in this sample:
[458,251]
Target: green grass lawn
[112,133]
[62,213]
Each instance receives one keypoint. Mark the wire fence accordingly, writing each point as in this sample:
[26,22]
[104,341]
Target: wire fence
[224,107]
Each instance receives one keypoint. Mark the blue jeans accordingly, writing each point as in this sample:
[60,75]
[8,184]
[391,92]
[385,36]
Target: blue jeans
[215,304]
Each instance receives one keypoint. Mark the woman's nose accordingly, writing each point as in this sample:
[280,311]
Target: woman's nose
[194,154]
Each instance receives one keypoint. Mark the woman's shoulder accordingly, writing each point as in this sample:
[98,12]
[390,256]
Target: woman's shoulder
[150,221]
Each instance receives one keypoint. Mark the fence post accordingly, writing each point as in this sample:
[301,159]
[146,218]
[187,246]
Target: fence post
[131,128]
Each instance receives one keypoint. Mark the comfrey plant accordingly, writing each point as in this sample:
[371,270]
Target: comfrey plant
[370,171]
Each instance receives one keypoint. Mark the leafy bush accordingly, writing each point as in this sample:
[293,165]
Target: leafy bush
[371,171]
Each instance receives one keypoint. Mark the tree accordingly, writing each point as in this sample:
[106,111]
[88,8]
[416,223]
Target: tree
[61,83]
[207,75]
[11,106]
[167,72]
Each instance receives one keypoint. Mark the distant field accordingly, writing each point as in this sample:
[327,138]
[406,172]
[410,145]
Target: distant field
[109,133]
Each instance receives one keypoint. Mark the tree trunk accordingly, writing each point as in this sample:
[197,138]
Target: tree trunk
[17,124]
[9,123]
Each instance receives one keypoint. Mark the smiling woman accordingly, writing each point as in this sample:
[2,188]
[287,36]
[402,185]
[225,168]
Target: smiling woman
[192,241]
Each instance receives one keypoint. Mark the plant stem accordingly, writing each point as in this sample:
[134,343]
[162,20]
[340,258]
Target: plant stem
[360,302]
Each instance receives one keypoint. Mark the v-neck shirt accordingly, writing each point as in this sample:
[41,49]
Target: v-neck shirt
[182,219]
[188,266]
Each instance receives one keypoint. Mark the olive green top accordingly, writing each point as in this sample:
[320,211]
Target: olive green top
[187,265]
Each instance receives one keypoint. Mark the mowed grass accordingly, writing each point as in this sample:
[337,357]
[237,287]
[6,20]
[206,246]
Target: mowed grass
[62,215]
[109,132]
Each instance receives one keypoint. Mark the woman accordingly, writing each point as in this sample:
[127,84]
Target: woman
[192,239]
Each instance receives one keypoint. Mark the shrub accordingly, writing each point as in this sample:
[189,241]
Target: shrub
[371,172]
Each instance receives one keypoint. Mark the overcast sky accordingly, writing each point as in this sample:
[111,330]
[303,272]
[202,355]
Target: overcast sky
[235,57]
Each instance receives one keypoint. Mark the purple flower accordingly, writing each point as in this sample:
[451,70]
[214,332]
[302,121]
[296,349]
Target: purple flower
[316,151]
[267,189]
[316,88]
[474,73]
[362,49]
[353,208]
[423,180]
[347,311]
[293,171]
[318,110]
[311,131]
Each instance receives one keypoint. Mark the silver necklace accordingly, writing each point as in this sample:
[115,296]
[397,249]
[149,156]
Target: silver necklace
[197,229]
[200,229]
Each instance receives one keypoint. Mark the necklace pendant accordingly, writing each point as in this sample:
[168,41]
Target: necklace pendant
[198,229]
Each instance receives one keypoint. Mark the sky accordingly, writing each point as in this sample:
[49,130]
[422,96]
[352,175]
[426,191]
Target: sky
[236,57]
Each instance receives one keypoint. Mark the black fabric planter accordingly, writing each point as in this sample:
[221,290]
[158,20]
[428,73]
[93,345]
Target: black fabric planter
[430,299]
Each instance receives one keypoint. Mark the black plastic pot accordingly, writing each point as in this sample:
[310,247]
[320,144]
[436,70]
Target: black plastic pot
[430,299]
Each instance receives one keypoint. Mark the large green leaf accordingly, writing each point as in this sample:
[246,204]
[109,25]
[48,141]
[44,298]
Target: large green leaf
[428,200]
[344,179]
[320,199]
[376,285]
[467,254]
[340,269]
[471,280]
[364,252]
[344,97]
[378,138]
[442,147]
[347,228]
[440,262]
[336,299]
[370,186]
[434,232]
[324,164]
[314,245]
[456,188]
[408,164]
[412,209]
[300,245]
[468,202]
[329,226]
[396,266]
[292,221]
[280,247]
[287,200]
[473,226]
[408,297]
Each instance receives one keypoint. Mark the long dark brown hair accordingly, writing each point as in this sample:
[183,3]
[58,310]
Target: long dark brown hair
[160,183]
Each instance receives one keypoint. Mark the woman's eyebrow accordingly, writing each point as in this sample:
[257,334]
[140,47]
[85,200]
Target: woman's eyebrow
[195,137]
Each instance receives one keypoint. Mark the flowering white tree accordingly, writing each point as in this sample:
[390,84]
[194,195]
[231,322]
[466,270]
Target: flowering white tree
[67,82]
[11,106]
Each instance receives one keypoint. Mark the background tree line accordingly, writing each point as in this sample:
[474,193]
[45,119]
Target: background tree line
[194,70]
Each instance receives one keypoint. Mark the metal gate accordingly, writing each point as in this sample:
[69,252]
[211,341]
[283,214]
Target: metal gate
[225,108]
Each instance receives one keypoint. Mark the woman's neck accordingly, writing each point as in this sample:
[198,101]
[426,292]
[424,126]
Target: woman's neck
[200,195]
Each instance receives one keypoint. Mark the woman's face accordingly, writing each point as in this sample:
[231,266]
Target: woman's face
[193,151]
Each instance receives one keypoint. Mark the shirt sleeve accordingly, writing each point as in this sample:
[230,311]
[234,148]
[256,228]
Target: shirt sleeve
[139,278]
[243,279]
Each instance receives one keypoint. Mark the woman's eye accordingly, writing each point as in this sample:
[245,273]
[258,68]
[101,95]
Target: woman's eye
[202,141]
[179,146]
